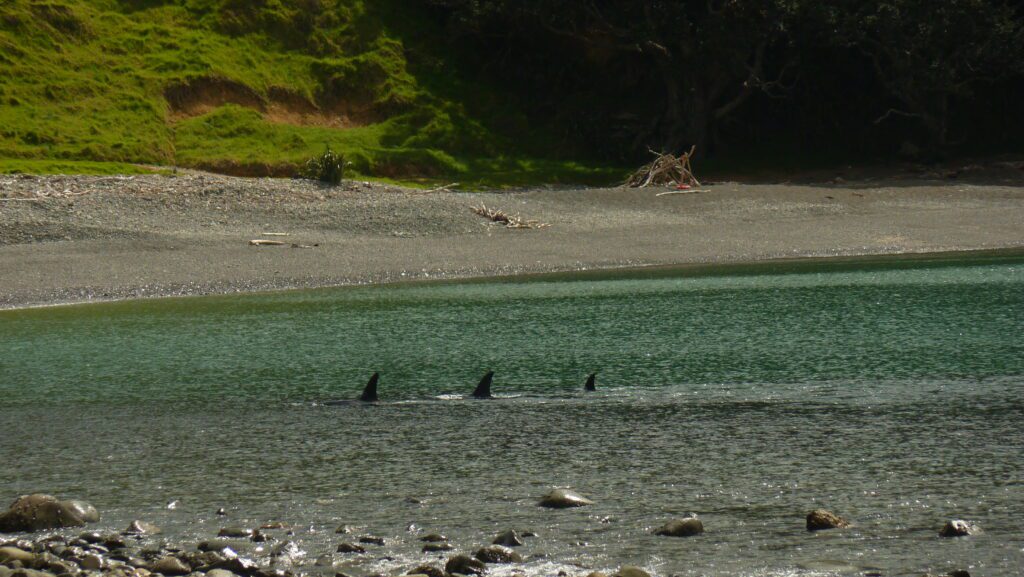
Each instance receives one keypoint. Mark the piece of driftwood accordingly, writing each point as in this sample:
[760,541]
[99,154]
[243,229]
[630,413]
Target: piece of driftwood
[509,220]
[265,242]
[691,191]
[665,170]
[445,188]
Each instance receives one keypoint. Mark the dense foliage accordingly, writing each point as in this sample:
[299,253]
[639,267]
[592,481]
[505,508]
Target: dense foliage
[503,91]
[917,74]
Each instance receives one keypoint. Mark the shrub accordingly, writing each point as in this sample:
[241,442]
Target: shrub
[328,167]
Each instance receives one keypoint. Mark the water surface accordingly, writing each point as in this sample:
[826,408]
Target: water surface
[889,393]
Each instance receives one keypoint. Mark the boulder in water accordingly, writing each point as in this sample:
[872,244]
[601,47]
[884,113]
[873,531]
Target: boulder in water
[37,512]
[141,528]
[465,565]
[508,538]
[497,554]
[235,532]
[820,519]
[433,538]
[563,499]
[959,528]
[350,548]
[437,547]
[685,527]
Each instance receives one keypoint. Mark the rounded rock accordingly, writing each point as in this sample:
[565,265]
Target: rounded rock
[433,538]
[220,573]
[497,554]
[820,519]
[9,554]
[685,527]
[959,528]
[437,547]
[142,528]
[350,548]
[428,570]
[508,538]
[92,563]
[235,532]
[38,511]
[170,566]
[465,565]
[563,499]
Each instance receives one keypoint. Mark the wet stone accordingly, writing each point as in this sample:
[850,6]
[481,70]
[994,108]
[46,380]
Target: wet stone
[371,540]
[465,565]
[508,538]
[92,563]
[235,532]
[344,530]
[820,519]
[437,547]
[433,538]
[350,548]
[959,528]
[170,566]
[563,499]
[498,554]
[428,570]
[8,554]
[219,573]
[142,528]
[686,527]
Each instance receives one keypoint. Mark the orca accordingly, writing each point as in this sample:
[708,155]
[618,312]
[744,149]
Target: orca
[370,391]
[483,390]
[589,386]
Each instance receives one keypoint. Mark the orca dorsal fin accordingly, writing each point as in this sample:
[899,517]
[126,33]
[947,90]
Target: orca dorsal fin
[589,386]
[483,390]
[370,392]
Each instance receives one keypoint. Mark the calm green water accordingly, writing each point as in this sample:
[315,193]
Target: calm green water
[890,393]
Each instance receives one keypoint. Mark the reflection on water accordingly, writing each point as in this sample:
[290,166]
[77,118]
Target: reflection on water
[892,396]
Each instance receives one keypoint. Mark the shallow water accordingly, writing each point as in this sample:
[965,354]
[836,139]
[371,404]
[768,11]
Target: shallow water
[890,393]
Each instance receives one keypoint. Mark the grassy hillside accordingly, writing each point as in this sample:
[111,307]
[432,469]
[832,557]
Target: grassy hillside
[253,87]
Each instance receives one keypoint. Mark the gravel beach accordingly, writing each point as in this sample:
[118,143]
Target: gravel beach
[70,239]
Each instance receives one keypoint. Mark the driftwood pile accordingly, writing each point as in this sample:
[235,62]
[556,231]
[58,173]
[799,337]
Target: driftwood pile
[509,220]
[666,170]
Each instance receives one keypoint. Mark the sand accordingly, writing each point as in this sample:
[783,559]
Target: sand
[78,239]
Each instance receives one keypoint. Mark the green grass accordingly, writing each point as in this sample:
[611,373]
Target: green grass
[86,83]
[20,166]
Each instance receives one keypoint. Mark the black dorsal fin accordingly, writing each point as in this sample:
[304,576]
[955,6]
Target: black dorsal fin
[590,383]
[483,390]
[370,392]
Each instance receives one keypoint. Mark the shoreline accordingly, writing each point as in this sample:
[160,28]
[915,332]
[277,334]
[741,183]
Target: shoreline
[106,239]
[695,269]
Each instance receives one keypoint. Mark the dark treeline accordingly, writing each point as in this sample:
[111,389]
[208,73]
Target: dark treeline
[861,78]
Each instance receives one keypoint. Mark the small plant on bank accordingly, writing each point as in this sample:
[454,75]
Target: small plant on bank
[328,167]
